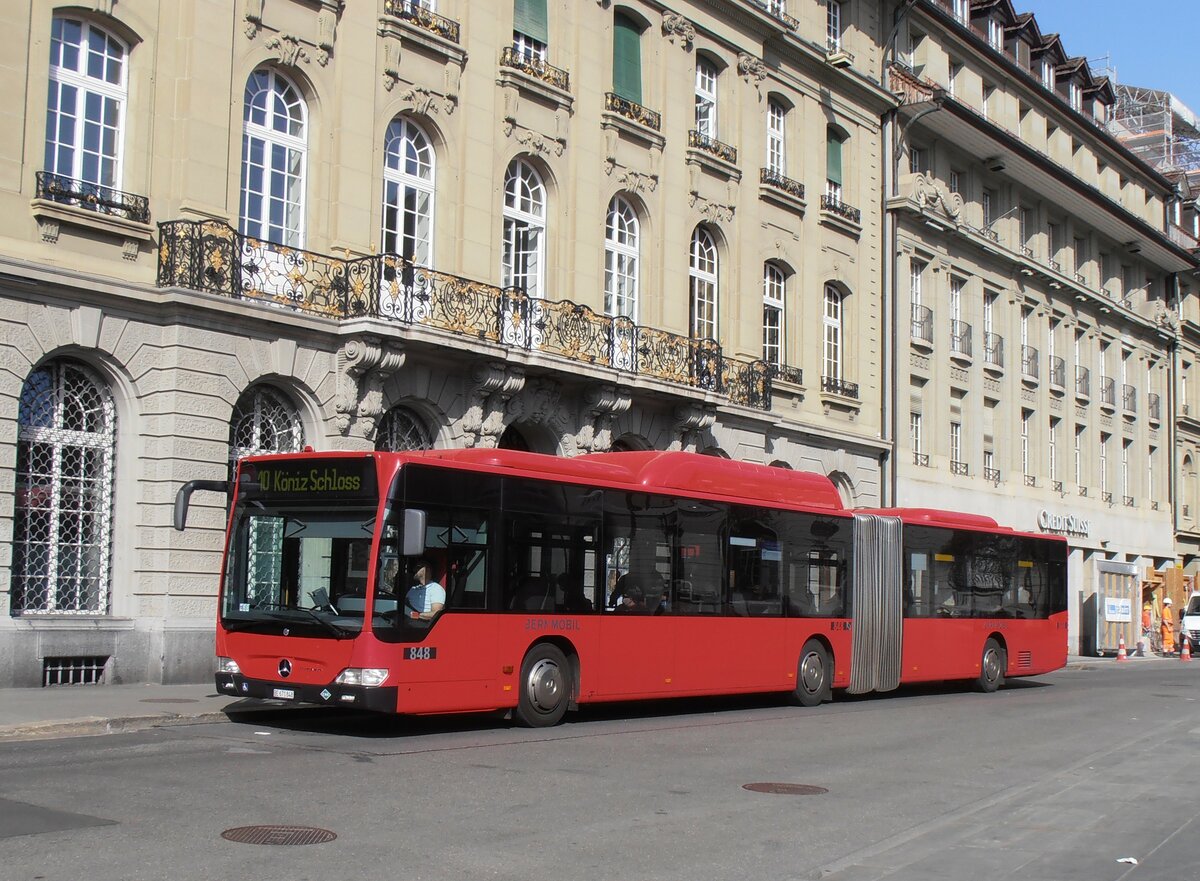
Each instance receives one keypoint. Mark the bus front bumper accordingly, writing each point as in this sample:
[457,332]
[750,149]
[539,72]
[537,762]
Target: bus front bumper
[380,699]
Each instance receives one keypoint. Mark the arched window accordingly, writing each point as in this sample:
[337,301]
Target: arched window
[776,137]
[274,157]
[621,266]
[401,429]
[774,282]
[408,192]
[706,98]
[264,421]
[524,229]
[832,321]
[62,520]
[85,108]
[702,281]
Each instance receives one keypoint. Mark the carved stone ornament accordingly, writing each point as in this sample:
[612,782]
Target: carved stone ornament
[691,420]
[604,403]
[677,28]
[711,211]
[928,193]
[253,18]
[751,69]
[533,141]
[364,364]
[1165,317]
[494,384]
[326,34]
[289,49]
[420,100]
[637,182]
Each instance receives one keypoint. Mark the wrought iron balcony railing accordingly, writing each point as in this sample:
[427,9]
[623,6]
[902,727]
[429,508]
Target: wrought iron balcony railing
[1128,398]
[1083,382]
[93,197]
[1106,497]
[960,338]
[787,373]
[991,475]
[1029,362]
[1108,391]
[993,349]
[1127,501]
[426,19]
[1031,480]
[921,459]
[834,205]
[777,9]
[838,386]
[717,148]
[773,178]
[536,67]
[922,324]
[1056,486]
[632,110]
[213,257]
[960,468]
[1058,372]
[1154,406]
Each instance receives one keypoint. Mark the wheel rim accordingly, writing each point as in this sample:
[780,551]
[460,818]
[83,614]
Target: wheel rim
[545,686]
[991,665]
[812,672]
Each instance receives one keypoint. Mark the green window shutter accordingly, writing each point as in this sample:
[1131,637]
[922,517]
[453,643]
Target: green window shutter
[529,18]
[833,158]
[627,59]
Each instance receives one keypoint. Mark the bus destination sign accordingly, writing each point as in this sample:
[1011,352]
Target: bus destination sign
[342,478]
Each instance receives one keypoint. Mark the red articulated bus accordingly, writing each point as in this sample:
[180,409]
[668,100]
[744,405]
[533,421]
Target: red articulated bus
[473,580]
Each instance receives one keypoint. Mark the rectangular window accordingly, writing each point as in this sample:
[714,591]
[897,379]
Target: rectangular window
[914,431]
[706,99]
[1052,450]
[627,59]
[833,25]
[995,34]
[1104,462]
[776,140]
[989,199]
[773,287]
[1026,416]
[1047,74]
[916,272]
[955,181]
[1079,430]
[916,160]
[530,23]
[833,165]
[956,442]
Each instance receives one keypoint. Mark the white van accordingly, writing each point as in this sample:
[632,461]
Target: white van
[1191,622]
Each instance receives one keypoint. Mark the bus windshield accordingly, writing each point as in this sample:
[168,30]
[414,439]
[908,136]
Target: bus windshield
[298,568]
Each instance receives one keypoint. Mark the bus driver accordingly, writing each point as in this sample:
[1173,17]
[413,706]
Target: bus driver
[426,597]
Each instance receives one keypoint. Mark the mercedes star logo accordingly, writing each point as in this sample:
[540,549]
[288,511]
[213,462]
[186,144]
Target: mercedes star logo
[285,668]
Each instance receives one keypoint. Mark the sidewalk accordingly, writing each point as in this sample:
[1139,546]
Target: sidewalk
[76,711]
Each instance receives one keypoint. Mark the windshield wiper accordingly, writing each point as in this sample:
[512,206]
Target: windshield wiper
[328,625]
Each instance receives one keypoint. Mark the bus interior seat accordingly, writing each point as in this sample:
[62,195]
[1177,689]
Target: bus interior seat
[533,595]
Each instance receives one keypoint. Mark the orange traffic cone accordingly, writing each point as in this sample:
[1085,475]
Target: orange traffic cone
[1185,653]
[1121,656]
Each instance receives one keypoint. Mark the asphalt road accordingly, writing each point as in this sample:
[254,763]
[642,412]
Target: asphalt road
[1053,779]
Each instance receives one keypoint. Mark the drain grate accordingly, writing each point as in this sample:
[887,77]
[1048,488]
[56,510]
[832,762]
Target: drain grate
[278,835]
[785,788]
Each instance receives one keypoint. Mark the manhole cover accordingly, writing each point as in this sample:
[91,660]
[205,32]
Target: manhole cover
[785,788]
[278,835]
[169,700]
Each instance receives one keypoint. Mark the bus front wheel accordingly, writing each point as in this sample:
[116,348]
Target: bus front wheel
[545,687]
[813,675]
[991,667]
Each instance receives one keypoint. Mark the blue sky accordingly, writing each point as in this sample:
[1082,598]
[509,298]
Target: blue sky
[1151,43]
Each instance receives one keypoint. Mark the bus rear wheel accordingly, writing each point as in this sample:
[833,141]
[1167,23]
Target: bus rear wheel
[813,678]
[991,667]
[545,687]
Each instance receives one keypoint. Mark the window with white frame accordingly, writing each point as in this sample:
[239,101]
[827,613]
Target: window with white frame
[833,25]
[956,288]
[1079,431]
[832,341]
[530,29]
[916,160]
[834,143]
[621,259]
[916,270]
[987,200]
[1074,95]
[408,192]
[1104,462]
[524,246]
[962,10]
[989,308]
[1026,416]
[702,283]
[85,108]
[989,464]
[1048,74]
[1052,449]
[274,159]
[774,282]
[955,181]
[956,442]
[1151,455]
[914,431]
[1025,313]
[776,137]
[995,34]
[1126,488]
[706,98]
[954,72]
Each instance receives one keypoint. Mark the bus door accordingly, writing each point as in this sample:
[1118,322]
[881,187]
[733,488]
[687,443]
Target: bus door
[876,596]
[637,623]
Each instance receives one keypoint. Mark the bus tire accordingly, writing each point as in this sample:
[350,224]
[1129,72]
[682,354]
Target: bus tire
[992,665]
[545,687]
[814,678]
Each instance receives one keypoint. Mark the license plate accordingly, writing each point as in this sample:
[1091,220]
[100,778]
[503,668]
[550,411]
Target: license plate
[286,694]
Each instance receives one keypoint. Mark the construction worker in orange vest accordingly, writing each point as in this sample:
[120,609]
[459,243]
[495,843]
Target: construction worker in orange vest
[1168,628]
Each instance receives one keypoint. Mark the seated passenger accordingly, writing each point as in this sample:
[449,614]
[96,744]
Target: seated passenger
[627,595]
[426,597]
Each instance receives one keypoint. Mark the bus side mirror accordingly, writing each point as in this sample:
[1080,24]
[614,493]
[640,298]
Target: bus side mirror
[414,532]
[185,494]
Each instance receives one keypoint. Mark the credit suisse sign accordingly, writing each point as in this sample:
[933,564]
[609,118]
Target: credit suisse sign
[1063,524]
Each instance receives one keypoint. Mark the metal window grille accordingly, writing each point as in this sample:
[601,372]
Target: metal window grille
[400,429]
[62,531]
[88,670]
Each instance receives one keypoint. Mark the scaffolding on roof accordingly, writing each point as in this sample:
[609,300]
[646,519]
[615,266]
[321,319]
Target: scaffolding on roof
[1162,130]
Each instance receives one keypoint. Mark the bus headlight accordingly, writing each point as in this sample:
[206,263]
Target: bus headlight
[227,665]
[370,677]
